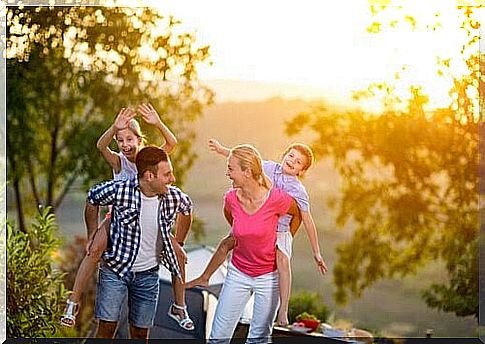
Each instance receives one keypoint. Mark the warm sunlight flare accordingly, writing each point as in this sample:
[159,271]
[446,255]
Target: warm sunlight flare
[315,49]
[230,127]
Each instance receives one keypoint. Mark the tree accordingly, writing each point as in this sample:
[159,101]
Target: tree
[35,291]
[410,184]
[70,69]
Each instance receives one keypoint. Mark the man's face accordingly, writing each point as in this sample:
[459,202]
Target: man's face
[163,178]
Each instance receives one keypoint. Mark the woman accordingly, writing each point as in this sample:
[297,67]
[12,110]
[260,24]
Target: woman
[252,207]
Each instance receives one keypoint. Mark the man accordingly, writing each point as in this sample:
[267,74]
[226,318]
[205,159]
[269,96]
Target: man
[144,209]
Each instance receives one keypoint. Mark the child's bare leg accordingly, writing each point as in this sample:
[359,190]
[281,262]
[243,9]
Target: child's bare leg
[86,269]
[90,261]
[179,308]
[219,256]
[178,285]
[284,271]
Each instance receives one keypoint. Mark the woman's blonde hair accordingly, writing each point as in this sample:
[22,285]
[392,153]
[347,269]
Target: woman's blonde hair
[249,158]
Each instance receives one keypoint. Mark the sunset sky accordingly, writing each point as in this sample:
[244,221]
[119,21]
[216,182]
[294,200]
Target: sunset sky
[311,48]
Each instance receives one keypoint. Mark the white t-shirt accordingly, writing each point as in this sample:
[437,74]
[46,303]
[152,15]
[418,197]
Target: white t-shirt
[147,256]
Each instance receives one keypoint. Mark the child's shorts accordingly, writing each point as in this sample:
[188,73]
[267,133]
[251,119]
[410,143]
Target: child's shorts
[284,242]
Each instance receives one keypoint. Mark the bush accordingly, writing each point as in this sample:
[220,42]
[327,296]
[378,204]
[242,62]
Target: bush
[35,292]
[307,302]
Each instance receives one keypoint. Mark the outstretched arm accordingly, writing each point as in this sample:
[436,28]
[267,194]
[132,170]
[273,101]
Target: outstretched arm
[219,256]
[215,146]
[121,121]
[150,115]
[311,231]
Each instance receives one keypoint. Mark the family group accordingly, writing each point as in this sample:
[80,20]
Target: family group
[148,220]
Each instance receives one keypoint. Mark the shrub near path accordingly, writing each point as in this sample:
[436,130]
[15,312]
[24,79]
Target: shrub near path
[35,289]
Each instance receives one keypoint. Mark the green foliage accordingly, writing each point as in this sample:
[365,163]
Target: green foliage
[35,291]
[410,183]
[70,70]
[307,302]
[456,297]
[305,316]
[197,230]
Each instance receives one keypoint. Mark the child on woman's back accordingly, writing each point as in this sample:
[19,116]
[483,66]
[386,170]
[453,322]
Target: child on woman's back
[126,130]
[297,159]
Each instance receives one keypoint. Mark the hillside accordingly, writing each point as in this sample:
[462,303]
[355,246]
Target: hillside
[390,307]
[393,307]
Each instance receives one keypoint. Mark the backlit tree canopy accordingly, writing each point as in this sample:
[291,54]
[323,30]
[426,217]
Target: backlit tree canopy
[70,70]
[410,184]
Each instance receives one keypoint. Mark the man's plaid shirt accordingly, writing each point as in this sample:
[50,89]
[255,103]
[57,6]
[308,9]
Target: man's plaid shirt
[124,237]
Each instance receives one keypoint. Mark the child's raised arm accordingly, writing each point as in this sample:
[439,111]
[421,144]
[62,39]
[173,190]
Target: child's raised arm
[311,231]
[215,146]
[121,121]
[150,115]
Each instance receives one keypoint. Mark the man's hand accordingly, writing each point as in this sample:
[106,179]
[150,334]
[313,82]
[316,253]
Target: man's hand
[179,251]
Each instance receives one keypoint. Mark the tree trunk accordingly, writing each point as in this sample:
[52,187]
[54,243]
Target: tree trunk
[18,200]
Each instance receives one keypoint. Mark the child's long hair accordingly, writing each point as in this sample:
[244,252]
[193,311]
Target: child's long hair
[249,157]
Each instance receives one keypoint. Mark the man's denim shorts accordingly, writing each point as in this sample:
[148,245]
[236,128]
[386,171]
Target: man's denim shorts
[141,288]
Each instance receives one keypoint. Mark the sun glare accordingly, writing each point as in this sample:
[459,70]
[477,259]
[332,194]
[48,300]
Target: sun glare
[324,47]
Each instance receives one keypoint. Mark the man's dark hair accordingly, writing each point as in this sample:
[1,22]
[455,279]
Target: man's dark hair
[148,158]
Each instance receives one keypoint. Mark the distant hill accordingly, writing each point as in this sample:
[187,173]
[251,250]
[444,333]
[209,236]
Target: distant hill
[259,123]
[259,91]
[389,307]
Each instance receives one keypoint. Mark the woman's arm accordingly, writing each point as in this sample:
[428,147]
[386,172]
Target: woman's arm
[311,231]
[228,215]
[293,211]
[295,222]
[219,256]
[150,115]
[121,121]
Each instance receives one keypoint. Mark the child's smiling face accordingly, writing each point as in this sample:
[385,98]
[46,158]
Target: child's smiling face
[294,162]
[128,143]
